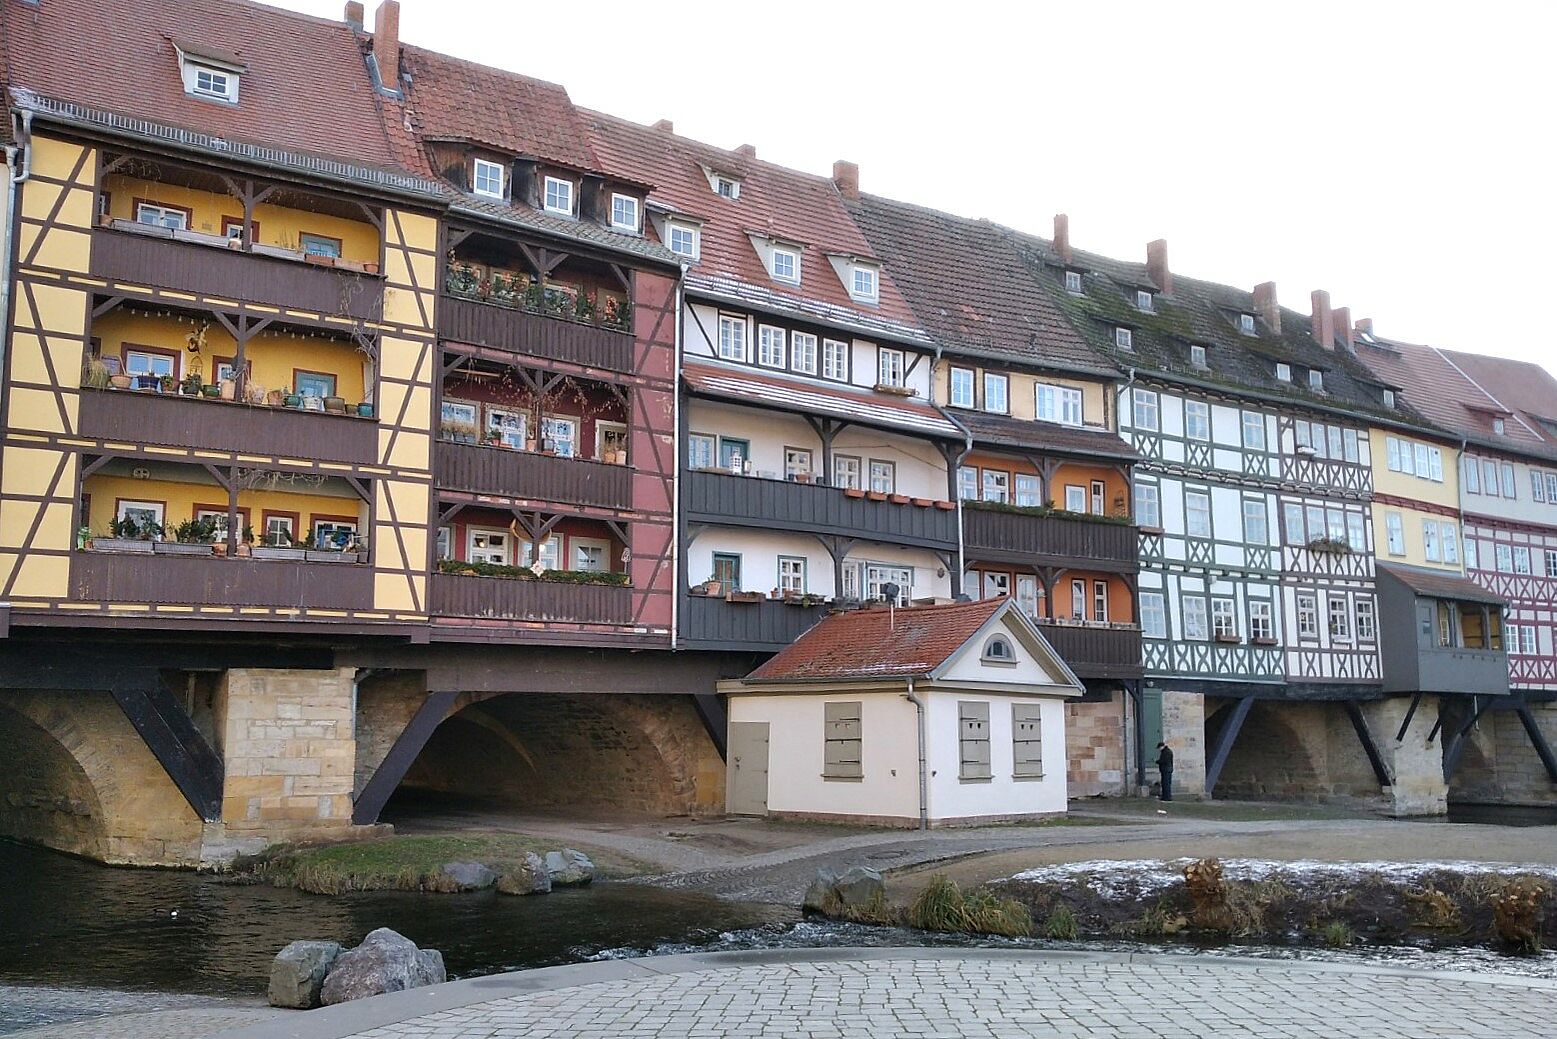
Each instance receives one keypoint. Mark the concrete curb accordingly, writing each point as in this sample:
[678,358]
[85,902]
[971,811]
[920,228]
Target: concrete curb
[348,1019]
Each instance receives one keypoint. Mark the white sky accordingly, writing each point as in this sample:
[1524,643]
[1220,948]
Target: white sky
[1396,154]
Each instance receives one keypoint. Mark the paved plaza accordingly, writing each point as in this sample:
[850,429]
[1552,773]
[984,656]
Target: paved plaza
[989,994]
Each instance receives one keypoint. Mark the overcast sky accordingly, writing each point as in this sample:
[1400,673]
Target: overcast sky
[1399,155]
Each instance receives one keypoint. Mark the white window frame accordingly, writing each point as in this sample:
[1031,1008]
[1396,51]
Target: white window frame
[891,367]
[1143,301]
[1307,615]
[1522,559]
[792,574]
[732,345]
[792,258]
[772,347]
[493,541]
[1262,621]
[835,360]
[998,401]
[1340,618]
[1253,431]
[883,476]
[872,283]
[564,446]
[1256,521]
[1367,621]
[488,167]
[1246,324]
[702,451]
[960,390]
[1283,372]
[1073,283]
[1430,550]
[620,201]
[1025,491]
[1316,380]
[1224,617]
[1145,410]
[563,187]
[1124,338]
[848,472]
[162,212]
[1197,624]
[683,240]
[575,544]
[1197,356]
[1154,615]
[1197,420]
[1075,498]
[802,352]
[1148,505]
[1395,533]
[228,79]
[1192,528]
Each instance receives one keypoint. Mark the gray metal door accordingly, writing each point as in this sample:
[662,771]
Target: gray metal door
[746,783]
[1151,731]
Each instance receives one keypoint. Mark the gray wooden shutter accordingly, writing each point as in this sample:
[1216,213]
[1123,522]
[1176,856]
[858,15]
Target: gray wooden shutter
[973,726]
[841,722]
[1027,740]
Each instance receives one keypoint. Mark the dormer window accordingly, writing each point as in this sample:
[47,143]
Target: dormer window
[785,265]
[624,213]
[682,240]
[1073,282]
[725,187]
[1283,372]
[1246,324]
[1498,428]
[863,283]
[1143,301]
[209,74]
[215,83]
[1124,338]
[559,196]
[1389,398]
[488,179]
[1197,356]
[1316,380]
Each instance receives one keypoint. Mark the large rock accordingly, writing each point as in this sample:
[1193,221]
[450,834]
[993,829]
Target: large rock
[569,868]
[857,894]
[859,887]
[528,877]
[467,876]
[297,973]
[384,962]
[821,896]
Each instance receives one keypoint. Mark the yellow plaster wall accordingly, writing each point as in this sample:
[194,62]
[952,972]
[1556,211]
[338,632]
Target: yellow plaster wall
[278,226]
[1404,485]
[181,499]
[1411,523]
[1021,395]
[68,244]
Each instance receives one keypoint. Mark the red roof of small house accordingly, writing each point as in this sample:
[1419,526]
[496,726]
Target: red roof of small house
[880,643]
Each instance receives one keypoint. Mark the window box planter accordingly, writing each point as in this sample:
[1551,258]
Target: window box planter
[322,261]
[1155,532]
[853,492]
[899,499]
[1262,642]
[278,552]
[744,597]
[924,503]
[327,555]
[135,545]
[181,548]
[946,506]
[1334,546]
[876,495]
[1234,639]
[896,391]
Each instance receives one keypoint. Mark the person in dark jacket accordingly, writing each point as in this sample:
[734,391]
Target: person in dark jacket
[1165,770]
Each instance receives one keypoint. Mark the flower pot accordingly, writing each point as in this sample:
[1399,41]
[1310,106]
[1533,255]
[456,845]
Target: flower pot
[899,499]
[329,555]
[292,400]
[244,550]
[219,548]
[946,506]
[322,261]
[365,410]
[146,382]
[370,268]
[853,492]
[180,548]
[876,495]
[335,405]
[134,545]
[924,503]
[275,398]
[229,389]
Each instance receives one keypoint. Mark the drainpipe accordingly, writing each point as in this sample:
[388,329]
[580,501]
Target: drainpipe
[360,675]
[924,774]
[18,175]
[679,587]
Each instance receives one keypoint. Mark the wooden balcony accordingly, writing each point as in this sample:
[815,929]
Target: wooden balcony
[520,332]
[709,622]
[219,581]
[1012,537]
[525,474]
[748,501]
[213,270]
[501,598]
[172,420]
[1095,652]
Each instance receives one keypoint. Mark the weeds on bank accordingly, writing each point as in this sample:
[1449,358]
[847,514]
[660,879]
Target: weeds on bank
[943,906]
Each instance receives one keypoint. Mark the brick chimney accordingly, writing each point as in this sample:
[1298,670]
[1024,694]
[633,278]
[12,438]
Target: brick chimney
[1062,236]
[1266,306]
[354,14]
[1322,325]
[747,151]
[1343,328]
[1157,266]
[846,177]
[386,43]
[664,124]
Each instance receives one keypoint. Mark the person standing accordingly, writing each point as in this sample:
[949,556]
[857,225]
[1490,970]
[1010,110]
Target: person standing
[1165,770]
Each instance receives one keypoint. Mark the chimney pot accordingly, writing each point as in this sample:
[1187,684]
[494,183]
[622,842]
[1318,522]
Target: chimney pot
[1265,303]
[1062,236]
[747,151]
[386,43]
[1322,324]
[1343,328]
[846,176]
[354,14]
[1157,265]
[664,124]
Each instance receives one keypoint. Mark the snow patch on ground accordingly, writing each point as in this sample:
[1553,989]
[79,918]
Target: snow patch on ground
[1133,878]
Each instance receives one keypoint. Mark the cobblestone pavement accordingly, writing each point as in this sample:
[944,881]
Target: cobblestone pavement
[164,1024]
[986,994]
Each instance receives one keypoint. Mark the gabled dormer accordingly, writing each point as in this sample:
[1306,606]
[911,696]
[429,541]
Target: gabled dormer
[860,275]
[209,74]
[681,233]
[781,256]
[725,185]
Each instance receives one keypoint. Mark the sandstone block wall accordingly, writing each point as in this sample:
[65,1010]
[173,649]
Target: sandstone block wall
[1095,746]
[1415,764]
[1184,729]
[1501,765]
[1297,751]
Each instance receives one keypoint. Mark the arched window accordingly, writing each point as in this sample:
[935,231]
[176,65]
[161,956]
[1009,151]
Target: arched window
[998,650]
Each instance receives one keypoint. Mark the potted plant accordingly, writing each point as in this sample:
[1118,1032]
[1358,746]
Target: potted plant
[190,538]
[166,384]
[146,381]
[245,546]
[335,405]
[94,374]
[229,389]
[285,548]
[736,596]
[125,535]
[211,390]
[190,387]
[365,409]
[713,586]
[494,438]
[276,398]
[292,400]
[120,381]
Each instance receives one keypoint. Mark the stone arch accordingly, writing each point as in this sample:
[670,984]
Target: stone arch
[1273,756]
[48,797]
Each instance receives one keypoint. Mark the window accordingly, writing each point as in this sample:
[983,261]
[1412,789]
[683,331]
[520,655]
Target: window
[1354,453]
[624,213]
[1393,454]
[1551,488]
[1283,372]
[841,757]
[732,338]
[797,462]
[161,216]
[996,585]
[1470,555]
[1197,514]
[682,240]
[1316,380]
[878,576]
[998,648]
[1154,616]
[1551,559]
[319,245]
[846,472]
[1537,486]
[1367,627]
[1253,431]
[1499,427]
[1027,594]
[1224,619]
[1057,404]
[700,451]
[803,352]
[610,439]
[559,196]
[1430,541]
[734,454]
[1078,599]
[559,434]
[1148,509]
[1099,492]
[973,739]
[1027,494]
[727,187]
[1340,619]
[1256,529]
[1144,409]
[997,486]
[786,265]
[967,483]
[1100,601]
[1073,282]
[1389,398]
[883,476]
[510,427]
[1506,480]
[835,360]
[458,421]
[144,514]
[1075,498]
[205,81]
[1026,741]
[489,179]
[150,362]
[1489,476]
[1262,627]
[1334,434]
[1395,533]
[1246,324]
[1292,514]
[1472,476]
[1505,558]
[1197,356]
[281,529]
[1195,617]
[995,390]
[1422,464]
[1521,560]
[889,367]
[1197,420]
[1143,301]
[792,574]
[727,569]
[961,388]
[770,347]
[590,555]
[334,533]
[1308,616]
[1451,542]
[863,283]
[1528,644]
[1124,338]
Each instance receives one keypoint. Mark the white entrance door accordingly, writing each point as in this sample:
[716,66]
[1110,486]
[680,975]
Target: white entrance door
[746,784]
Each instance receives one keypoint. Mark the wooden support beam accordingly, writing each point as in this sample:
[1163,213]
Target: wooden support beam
[170,735]
[371,212]
[361,489]
[398,761]
[619,529]
[1543,749]
[623,278]
[1405,723]
[1223,744]
[1375,759]
[710,709]
[447,514]
[104,307]
[96,464]
[1454,747]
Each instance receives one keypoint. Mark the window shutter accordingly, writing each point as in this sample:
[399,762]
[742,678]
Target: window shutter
[842,728]
[973,724]
[1027,740]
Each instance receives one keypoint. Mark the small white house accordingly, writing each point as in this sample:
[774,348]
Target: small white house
[921,716]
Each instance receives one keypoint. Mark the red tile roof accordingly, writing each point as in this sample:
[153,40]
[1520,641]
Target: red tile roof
[880,643]
[810,397]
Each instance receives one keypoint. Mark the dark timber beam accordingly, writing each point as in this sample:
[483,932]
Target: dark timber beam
[398,761]
[183,752]
[1360,725]
[1538,740]
[1454,747]
[710,708]
[1405,723]
[1224,741]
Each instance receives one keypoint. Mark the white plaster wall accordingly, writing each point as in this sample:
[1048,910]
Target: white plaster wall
[953,798]
[759,551]
[889,750]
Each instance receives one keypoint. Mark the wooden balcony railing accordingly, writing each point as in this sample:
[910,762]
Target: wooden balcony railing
[766,626]
[210,270]
[501,598]
[1096,652]
[1018,537]
[526,474]
[171,420]
[219,581]
[520,332]
[713,497]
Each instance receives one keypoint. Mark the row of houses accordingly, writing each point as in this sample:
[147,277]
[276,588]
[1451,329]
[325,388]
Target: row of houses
[434,373]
